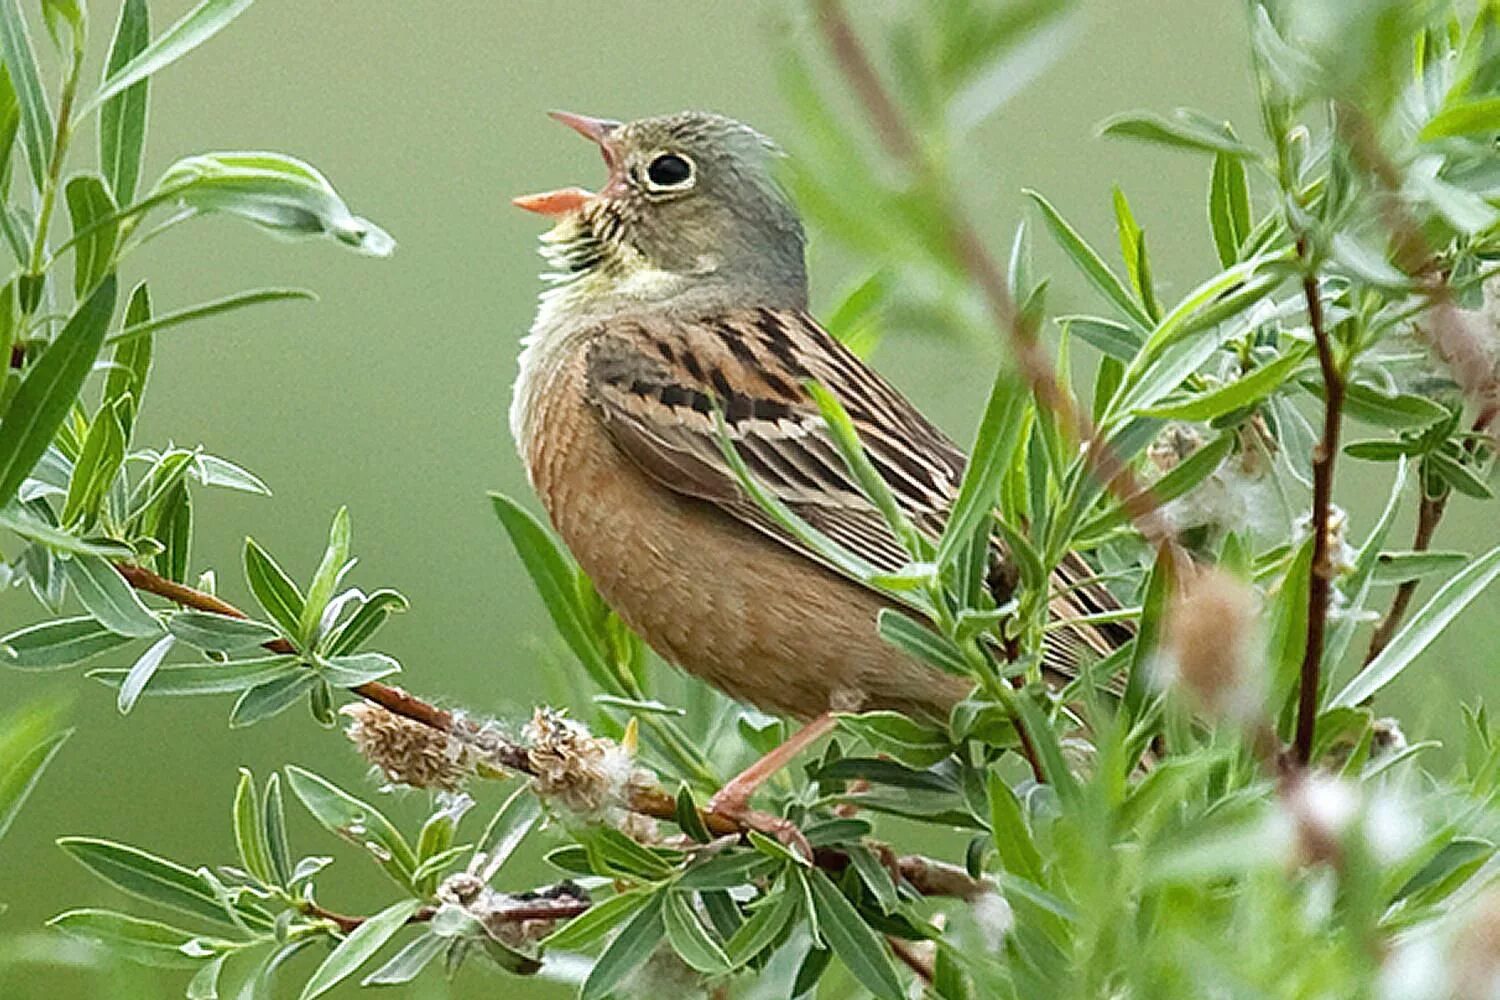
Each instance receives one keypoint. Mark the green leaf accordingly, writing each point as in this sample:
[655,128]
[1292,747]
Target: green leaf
[325,579]
[1287,619]
[1398,567]
[1115,340]
[192,30]
[851,939]
[355,821]
[552,574]
[277,192]
[994,448]
[1008,827]
[360,668]
[1184,476]
[871,483]
[771,916]
[249,833]
[910,636]
[1090,263]
[356,949]
[36,116]
[409,962]
[690,939]
[1244,391]
[91,208]
[273,830]
[141,672]
[598,920]
[60,643]
[98,463]
[20,775]
[628,951]
[218,633]
[275,591]
[1477,116]
[1400,412]
[908,741]
[1421,629]
[105,595]
[122,118]
[45,396]
[507,828]
[216,678]
[154,879]
[1184,130]
[270,698]
[365,621]
[1228,207]
[213,307]
[214,471]
[145,942]
[205,982]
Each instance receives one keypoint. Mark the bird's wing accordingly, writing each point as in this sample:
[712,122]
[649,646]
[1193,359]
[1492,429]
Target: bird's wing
[656,381]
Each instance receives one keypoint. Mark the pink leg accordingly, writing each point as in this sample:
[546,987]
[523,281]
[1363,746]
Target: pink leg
[733,800]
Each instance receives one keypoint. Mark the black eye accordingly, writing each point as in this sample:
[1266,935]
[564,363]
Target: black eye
[669,170]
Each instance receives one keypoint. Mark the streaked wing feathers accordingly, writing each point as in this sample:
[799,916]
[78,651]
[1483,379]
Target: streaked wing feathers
[655,382]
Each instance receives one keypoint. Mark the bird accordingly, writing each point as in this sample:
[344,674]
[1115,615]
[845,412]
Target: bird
[676,311]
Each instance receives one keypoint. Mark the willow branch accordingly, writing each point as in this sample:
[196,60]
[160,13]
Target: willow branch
[1320,585]
[927,876]
[901,142]
[912,958]
[1429,514]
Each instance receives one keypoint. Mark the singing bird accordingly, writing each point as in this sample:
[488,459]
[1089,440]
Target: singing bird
[680,292]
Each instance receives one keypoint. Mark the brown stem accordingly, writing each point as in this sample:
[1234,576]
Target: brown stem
[1429,514]
[897,136]
[913,959]
[1323,569]
[927,876]
[347,924]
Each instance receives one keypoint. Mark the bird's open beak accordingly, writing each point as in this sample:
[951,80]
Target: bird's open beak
[565,200]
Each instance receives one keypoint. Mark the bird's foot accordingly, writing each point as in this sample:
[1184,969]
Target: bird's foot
[734,804]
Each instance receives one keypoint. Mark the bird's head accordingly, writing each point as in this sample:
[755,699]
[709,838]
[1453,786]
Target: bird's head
[692,205]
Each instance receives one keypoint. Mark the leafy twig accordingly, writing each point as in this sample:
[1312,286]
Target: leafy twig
[927,876]
[1320,585]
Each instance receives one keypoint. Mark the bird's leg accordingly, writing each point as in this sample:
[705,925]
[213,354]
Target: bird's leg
[733,800]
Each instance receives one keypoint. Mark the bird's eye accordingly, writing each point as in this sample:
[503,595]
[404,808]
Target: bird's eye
[668,170]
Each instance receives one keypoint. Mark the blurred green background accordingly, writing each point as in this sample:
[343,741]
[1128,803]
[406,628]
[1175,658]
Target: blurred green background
[390,394]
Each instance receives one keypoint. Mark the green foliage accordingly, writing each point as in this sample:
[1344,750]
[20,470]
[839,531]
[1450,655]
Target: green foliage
[1142,830]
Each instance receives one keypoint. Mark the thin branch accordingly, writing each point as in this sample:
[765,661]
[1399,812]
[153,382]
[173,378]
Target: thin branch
[347,924]
[1320,585]
[913,959]
[898,138]
[1429,514]
[926,875]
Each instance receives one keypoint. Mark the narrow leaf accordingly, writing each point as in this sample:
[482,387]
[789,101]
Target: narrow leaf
[195,27]
[356,949]
[44,398]
[122,118]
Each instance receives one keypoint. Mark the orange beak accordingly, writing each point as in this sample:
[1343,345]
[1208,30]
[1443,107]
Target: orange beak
[565,200]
